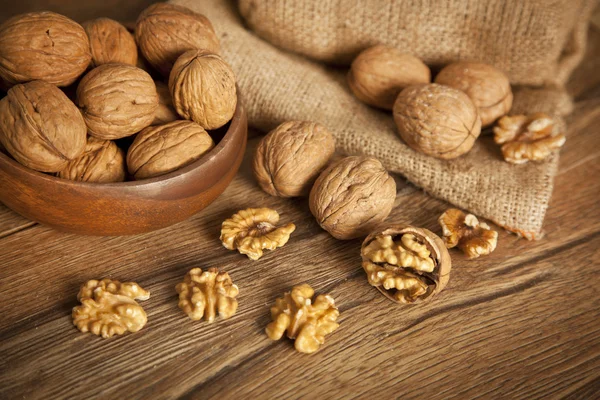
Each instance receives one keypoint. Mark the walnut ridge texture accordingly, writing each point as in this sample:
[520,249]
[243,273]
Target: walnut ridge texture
[165,111]
[101,162]
[110,42]
[474,238]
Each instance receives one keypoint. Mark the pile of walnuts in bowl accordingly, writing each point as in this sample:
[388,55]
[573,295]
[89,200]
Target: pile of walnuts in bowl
[84,105]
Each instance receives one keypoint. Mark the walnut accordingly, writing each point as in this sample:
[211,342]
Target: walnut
[117,100]
[165,31]
[487,86]
[40,127]
[474,238]
[352,196]
[43,45]
[253,230]
[203,294]
[110,42]
[108,307]
[101,162]
[160,149]
[290,157]
[203,89]
[406,264]
[437,120]
[379,73]
[528,137]
[308,323]
[165,111]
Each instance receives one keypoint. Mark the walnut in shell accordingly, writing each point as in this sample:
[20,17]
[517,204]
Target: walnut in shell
[40,127]
[165,111]
[101,162]
[290,157]
[110,42]
[437,120]
[43,45]
[203,89]
[117,100]
[487,86]
[165,31]
[406,264]
[352,196]
[160,149]
[474,238]
[379,73]
[299,318]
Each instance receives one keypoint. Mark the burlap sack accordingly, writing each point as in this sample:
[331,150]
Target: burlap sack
[278,86]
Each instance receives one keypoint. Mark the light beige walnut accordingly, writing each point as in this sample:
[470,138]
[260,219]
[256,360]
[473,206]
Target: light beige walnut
[108,307]
[299,318]
[165,31]
[165,111]
[378,75]
[487,86]
[40,127]
[204,294]
[352,196]
[290,157]
[203,89]
[101,162]
[437,120]
[406,264]
[158,150]
[474,238]
[527,138]
[253,230]
[110,42]
[117,100]
[43,45]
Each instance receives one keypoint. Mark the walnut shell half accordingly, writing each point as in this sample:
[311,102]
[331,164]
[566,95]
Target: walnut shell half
[101,162]
[110,42]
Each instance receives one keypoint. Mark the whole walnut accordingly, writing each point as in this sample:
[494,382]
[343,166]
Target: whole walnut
[43,45]
[165,31]
[117,100]
[165,111]
[158,150]
[203,89]
[488,88]
[290,157]
[101,162]
[352,196]
[437,120]
[110,42]
[379,73]
[40,127]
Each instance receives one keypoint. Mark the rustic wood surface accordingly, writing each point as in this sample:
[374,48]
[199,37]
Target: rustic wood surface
[523,322]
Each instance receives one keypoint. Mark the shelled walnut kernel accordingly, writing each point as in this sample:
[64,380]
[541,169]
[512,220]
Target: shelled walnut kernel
[474,238]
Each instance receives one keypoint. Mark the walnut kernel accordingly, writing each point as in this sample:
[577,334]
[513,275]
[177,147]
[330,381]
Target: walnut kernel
[101,162]
[474,238]
[110,42]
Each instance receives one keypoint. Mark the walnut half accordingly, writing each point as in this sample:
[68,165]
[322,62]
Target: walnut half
[474,238]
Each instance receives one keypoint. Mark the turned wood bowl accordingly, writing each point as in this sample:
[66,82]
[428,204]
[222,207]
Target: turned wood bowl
[126,208]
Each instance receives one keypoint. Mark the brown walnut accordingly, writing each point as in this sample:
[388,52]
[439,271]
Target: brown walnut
[203,89]
[110,42]
[117,100]
[165,31]
[101,162]
[437,120]
[474,238]
[165,111]
[290,157]
[40,127]
[352,196]
[43,45]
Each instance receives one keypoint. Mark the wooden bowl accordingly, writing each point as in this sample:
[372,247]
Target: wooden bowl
[125,208]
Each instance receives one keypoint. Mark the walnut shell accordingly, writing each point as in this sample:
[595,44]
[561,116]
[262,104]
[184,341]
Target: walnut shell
[117,100]
[379,73]
[165,31]
[290,157]
[437,120]
[158,150]
[40,127]
[101,162]
[487,86]
[165,111]
[110,42]
[43,45]
[203,89]
[352,196]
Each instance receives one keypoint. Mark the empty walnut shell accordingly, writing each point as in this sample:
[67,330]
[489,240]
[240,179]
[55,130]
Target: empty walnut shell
[40,127]
[352,196]
[437,120]
[203,89]
[165,111]
[165,31]
[158,150]
[101,162]
[117,100]
[110,42]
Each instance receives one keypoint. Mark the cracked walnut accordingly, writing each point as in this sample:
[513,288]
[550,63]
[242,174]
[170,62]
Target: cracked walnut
[474,238]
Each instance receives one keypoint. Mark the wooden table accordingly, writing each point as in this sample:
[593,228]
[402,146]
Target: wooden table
[524,322]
